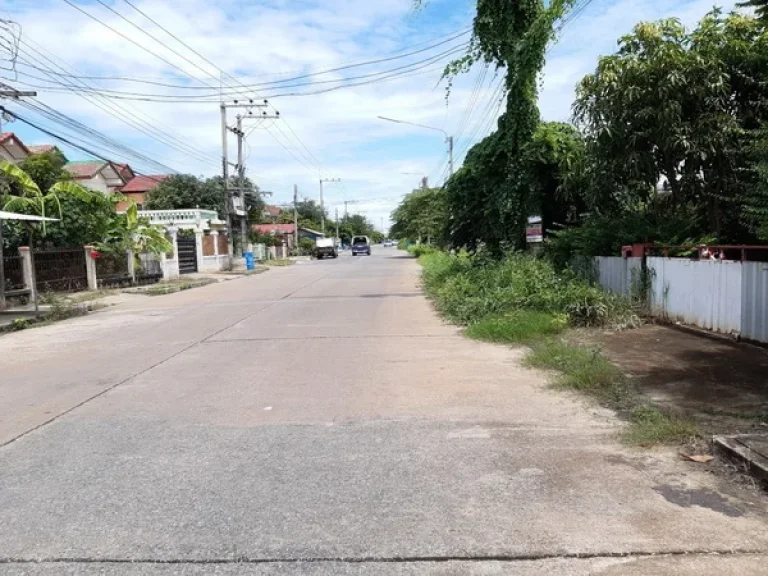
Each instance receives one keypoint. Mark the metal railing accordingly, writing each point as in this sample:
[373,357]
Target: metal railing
[182,218]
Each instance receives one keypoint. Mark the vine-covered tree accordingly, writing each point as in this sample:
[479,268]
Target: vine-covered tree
[489,200]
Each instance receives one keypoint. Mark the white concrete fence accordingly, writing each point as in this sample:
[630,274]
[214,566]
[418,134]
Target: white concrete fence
[724,296]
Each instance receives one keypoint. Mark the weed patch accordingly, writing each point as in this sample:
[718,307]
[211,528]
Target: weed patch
[281,262]
[517,327]
[582,369]
[419,250]
[649,425]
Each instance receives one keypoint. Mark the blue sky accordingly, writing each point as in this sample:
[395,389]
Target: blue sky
[333,135]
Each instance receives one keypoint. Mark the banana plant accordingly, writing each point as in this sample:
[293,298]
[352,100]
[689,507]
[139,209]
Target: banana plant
[32,198]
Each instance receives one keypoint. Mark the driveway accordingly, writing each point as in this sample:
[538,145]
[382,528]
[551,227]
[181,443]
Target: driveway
[321,419]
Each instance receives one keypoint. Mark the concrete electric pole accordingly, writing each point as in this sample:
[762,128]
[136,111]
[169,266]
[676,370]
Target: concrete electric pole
[296,216]
[337,225]
[239,211]
[322,203]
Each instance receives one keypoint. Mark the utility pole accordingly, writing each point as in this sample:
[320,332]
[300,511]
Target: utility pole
[240,166]
[225,174]
[449,139]
[346,211]
[241,178]
[337,225]
[296,216]
[322,204]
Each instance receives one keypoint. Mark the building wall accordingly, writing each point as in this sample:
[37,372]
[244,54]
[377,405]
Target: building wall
[137,197]
[97,183]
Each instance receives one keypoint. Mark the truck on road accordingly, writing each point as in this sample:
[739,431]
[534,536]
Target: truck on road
[326,247]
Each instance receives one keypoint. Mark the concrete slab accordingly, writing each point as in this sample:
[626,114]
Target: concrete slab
[749,449]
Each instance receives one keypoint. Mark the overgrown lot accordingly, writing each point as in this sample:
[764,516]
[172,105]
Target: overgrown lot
[524,300]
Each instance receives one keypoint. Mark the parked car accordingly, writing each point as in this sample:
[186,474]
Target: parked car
[361,245]
[325,247]
[388,243]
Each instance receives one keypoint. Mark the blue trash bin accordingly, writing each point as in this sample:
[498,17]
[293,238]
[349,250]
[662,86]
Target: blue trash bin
[249,262]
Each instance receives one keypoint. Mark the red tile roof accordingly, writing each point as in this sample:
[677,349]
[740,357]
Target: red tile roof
[42,148]
[278,229]
[84,169]
[144,183]
[272,210]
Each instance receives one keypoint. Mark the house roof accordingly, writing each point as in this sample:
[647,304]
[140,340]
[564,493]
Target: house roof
[125,171]
[42,148]
[84,168]
[144,183]
[6,137]
[273,228]
[272,210]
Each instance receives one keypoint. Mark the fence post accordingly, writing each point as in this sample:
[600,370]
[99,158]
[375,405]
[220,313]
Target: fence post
[26,271]
[131,265]
[215,236]
[90,268]
[199,247]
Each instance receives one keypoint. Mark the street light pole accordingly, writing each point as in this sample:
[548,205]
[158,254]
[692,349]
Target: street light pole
[448,138]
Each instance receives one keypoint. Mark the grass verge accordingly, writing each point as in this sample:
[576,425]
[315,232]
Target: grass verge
[281,262]
[172,287]
[589,372]
[517,326]
[521,299]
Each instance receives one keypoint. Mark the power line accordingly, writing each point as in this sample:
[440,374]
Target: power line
[62,138]
[122,113]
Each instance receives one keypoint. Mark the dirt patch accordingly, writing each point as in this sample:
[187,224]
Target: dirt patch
[722,385]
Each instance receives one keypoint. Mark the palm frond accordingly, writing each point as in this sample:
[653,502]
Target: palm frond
[18,175]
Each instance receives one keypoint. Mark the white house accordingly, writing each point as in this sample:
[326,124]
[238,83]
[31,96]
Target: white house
[106,177]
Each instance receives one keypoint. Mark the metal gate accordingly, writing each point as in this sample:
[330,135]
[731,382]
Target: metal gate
[61,270]
[187,255]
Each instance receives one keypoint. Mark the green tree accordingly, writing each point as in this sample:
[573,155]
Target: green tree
[188,191]
[45,169]
[309,214]
[677,108]
[421,215]
[760,7]
[553,157]
[490,199]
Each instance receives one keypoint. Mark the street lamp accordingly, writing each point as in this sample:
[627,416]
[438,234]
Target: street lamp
[448,139]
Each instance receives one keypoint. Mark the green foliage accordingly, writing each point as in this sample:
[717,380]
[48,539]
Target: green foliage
[760,7]
[421,215]
[45,169]
[188,191]
[419,250]
[306,245]
[130,232]
[266,239]
[518,326]
[679,107]
[467,288]
[403,244]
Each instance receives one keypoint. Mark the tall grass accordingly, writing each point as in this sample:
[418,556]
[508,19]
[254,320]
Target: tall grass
[468,288]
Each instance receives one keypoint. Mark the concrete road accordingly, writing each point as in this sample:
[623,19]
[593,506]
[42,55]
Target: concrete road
[321,419]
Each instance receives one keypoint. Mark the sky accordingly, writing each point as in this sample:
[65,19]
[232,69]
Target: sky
[231,45]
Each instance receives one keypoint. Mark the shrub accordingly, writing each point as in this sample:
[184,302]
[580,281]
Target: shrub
[419,250]
[468,288]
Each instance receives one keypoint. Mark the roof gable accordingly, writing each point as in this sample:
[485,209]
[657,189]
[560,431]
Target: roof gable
[144,183]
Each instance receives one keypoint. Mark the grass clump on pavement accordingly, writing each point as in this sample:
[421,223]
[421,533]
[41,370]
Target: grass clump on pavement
[280,262]
[581,369]
[517,326]
[649,425]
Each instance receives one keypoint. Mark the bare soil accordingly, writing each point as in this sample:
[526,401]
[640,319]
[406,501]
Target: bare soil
[723,385]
